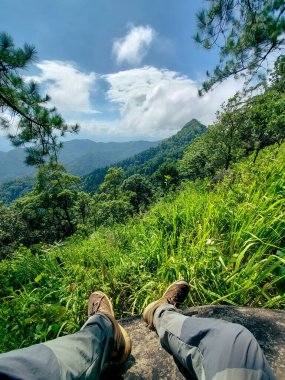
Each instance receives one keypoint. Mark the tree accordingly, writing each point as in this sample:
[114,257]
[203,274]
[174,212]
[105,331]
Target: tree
[82,207]
[112,205]
[48,209]
[195,162]
[38,126]
[110,211]
[246,32]
[112,183]
[266,120]
[141,191]
[277,78]
[168,176]
[226,133]
[209,153]
[12,230]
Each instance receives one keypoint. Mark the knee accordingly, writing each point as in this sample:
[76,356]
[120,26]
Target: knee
[242,341]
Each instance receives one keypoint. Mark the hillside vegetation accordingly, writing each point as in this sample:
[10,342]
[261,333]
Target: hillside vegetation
[226,239]
[56,207]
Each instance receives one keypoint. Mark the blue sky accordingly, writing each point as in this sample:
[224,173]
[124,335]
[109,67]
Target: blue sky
[122,69]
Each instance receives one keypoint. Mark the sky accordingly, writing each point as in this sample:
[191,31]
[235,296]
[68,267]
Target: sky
[123,69]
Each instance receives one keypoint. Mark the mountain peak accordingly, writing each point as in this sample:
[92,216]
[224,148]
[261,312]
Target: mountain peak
[192,123]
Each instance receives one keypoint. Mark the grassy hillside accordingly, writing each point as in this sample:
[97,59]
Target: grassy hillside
[228,242]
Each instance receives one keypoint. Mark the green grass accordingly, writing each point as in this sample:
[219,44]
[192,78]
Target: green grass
[228,243]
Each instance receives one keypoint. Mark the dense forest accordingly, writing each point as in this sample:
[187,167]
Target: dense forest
[206,204]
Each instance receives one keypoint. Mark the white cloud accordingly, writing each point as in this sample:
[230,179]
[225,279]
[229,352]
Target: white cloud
[157,103]
[149,102]
[134,46]
[12,120]
[69,89]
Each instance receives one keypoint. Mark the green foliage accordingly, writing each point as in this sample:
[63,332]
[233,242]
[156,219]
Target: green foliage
[227,242]
[47,209]
[12,230]
[266,119]
[243,126]
[38,125]
[82,207]
[111,205]
[140,191]
[112,183]
[48,213]
[110,211]
[168,176]
[246,33]
[9,191]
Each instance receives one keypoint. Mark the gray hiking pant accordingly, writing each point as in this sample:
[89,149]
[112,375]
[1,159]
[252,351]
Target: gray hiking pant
[203,348]
[210,349]
[78,356]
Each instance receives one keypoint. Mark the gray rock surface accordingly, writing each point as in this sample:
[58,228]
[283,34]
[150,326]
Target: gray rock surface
[149,361]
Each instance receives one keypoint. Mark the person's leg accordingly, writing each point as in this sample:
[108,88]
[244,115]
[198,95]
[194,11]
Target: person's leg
[78,356]
[207,348]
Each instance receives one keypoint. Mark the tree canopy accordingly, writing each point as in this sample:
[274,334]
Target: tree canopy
[243,126]
[247,33]
[21,103]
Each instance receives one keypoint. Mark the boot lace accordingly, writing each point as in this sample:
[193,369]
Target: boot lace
[96,305]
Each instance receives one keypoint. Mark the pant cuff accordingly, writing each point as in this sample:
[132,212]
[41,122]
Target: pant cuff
[160,310]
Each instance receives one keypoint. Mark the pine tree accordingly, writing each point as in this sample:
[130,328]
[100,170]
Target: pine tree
[247,33]
[37,126]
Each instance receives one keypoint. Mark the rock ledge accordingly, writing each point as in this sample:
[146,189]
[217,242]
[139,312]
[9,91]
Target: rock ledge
[149,361]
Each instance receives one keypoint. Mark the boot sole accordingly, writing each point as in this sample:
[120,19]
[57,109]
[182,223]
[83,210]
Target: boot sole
[128,347]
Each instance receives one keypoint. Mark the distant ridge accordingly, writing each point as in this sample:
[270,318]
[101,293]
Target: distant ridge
[78,156]
[148,161]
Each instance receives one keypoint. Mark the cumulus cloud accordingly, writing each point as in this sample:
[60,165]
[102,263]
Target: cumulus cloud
[157,103]
[145,102]
[133,47]
[69,89]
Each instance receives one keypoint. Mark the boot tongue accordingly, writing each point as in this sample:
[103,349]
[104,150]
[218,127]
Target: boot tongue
[96,305]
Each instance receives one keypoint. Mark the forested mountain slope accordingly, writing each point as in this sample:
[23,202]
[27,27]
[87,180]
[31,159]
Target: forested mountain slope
[9,191]
[79,157]
[147,162]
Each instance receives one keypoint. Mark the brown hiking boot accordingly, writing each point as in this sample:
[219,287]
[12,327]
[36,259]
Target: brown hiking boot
[99,303]
[175,294]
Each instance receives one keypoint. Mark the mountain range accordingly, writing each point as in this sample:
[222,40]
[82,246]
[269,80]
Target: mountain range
[78,156]
[147,162]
